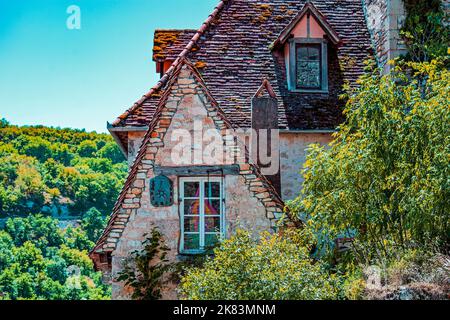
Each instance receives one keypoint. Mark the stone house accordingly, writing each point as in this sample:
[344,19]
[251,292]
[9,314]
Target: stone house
[278,65]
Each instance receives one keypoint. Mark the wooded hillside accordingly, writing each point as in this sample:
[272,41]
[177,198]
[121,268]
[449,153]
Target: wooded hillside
[57,171]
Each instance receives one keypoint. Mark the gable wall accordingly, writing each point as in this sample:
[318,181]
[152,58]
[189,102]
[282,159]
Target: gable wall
[247,202]
[301,29]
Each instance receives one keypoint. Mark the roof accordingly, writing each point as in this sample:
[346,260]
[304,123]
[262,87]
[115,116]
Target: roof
[167,44]
[232,52]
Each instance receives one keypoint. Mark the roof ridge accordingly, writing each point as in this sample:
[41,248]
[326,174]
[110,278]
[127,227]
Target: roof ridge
[180,57]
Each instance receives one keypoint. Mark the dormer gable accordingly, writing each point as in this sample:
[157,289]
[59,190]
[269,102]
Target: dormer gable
[308,23]
[305,43]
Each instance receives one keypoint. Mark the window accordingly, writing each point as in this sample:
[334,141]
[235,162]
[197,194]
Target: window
[308,73]
[308,65]
[202,213]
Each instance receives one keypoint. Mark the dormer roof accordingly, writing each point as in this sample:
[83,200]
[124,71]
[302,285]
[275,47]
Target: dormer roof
[308,10]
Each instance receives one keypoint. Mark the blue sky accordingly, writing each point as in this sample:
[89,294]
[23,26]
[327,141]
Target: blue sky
[55,76]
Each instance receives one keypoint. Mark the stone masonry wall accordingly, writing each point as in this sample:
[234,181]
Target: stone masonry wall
[248,201]
[384,20]
[292,157]
[134,142]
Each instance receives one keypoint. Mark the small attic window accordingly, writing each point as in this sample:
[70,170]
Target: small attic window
[305,43]
[308,66]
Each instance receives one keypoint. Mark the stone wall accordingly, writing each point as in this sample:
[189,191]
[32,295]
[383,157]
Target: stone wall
[248,199]
[293,155]
[242,210]
[384,20]
[134,142]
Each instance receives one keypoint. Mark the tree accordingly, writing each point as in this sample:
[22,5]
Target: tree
[87,148]
[384,178]
[38,229]
[111,151]
[57,168]
[39,262]
[93,224]
[6,244]
[426,30]
[62,153]
[3,123]
[275,267]
[30,188]
[38,148]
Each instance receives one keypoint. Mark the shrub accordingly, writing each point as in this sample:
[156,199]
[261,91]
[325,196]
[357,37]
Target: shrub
[385,177]
[146,270]
[277,267]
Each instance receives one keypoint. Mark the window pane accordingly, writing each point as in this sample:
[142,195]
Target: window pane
[313,53]
[302,52]
[212,224]
[191,224]
[212,189]
[211,240]
[308,66]
[191,206]
[308,74]
[191,241]
[192,189]
[212,207]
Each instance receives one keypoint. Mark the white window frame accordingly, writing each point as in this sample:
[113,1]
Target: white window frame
[202,215]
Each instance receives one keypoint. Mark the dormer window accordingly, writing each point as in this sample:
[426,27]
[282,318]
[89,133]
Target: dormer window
[308,65]
[305,42]
[308,73]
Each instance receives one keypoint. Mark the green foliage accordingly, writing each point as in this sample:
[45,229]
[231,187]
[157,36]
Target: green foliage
[94,223]
[111,151]
[43,169]
[3,123]
[147,270]
[42,231]
[426,30]
[87,148]
[276,267]
[385,176]
[40,261]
